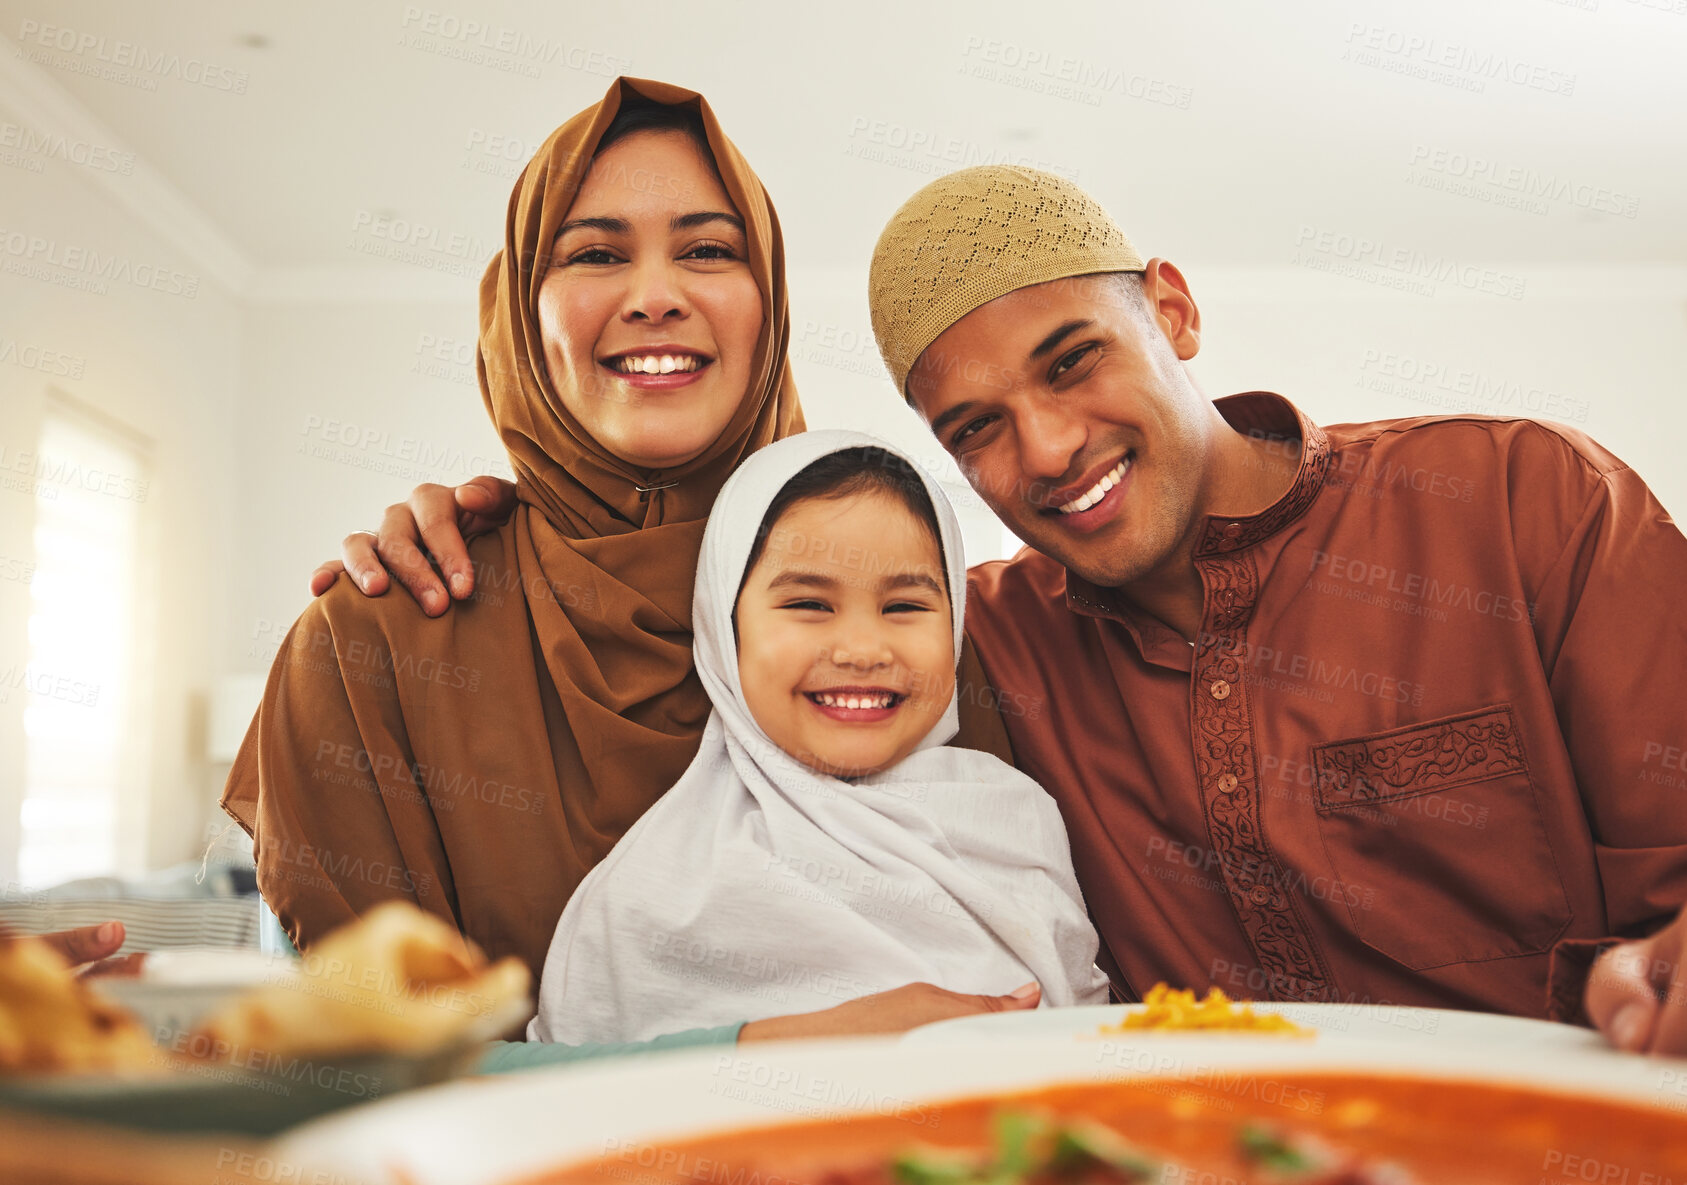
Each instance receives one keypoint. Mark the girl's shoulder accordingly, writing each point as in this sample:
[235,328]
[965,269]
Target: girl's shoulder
[945,765]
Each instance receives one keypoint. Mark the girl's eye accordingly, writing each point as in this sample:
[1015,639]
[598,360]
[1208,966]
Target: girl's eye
[907,607]
[711,251]
[803,605]
[1068,361]
[593,255]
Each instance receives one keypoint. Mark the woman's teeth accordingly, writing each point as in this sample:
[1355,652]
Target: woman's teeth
[1098,491]
[828,700]
[657,363]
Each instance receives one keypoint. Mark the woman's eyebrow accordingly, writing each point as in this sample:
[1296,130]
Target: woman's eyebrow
[620,226]
[614,226]
[704,217]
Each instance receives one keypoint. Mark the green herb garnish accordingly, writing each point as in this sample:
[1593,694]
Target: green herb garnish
[1262,1146]
[1028,1145]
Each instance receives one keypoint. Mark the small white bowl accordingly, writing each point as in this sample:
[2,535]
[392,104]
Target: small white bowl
[178,986]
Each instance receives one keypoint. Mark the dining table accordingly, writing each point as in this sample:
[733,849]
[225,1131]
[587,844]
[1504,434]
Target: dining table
[477,1129]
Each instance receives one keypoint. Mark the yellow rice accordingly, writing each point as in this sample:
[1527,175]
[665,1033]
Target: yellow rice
[1178,1010]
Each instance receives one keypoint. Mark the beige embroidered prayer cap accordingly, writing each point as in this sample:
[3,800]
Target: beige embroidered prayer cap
[974,235]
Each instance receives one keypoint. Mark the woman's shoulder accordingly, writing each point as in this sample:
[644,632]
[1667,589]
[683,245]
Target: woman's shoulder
[345,614]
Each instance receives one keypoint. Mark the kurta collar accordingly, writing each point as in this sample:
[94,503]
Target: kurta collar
[1269,417]
[1263,415]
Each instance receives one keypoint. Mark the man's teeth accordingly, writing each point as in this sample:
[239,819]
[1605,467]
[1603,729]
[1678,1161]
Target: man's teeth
[827,700]
[657,363]
[1098,491]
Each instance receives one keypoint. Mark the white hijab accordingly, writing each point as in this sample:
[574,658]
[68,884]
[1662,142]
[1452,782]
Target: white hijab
[757,887]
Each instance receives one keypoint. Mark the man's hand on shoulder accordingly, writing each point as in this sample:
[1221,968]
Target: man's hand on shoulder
[437,519]
[1637,992]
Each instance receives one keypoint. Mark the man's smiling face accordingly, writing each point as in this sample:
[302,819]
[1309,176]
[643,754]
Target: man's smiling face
[1067,407]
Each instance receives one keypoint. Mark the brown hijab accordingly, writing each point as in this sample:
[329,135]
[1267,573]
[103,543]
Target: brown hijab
[481,763]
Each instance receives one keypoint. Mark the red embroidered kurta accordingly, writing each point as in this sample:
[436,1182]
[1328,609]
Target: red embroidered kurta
[1428,748]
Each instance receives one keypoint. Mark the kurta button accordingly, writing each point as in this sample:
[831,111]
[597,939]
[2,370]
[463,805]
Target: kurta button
[1227,782]
[1232,530]
[1260,896]
[1220,689]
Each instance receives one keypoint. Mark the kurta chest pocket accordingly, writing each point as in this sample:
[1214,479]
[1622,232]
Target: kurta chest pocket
[1436,830]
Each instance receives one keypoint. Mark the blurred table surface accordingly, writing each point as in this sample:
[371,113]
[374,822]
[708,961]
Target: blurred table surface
[38,1150]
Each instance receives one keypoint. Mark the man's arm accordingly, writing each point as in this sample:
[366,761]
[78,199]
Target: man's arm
[436,519]
[1611,623]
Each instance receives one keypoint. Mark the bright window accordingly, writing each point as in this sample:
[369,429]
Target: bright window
[81,715]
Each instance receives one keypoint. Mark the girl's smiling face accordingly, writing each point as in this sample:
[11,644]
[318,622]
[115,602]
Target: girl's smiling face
[846,649]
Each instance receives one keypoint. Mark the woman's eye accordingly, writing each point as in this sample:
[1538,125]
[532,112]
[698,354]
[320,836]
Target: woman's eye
[593,255]
[711,251]
[1068,361]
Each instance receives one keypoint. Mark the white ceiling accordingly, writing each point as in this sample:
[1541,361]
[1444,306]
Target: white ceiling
[357,109]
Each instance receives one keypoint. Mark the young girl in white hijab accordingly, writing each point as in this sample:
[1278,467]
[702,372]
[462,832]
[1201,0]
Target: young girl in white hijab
[825,844]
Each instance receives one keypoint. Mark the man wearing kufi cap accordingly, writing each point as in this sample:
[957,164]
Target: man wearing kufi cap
[1375,712]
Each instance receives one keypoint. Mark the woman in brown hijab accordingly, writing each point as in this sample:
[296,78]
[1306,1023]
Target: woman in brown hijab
[633,335]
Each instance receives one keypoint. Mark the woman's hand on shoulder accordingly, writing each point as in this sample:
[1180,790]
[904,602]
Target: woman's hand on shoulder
[895,1011]
[437,519]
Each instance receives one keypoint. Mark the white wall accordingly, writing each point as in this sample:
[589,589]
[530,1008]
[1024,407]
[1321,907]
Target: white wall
[168,367]
[1602,350]
[345,407]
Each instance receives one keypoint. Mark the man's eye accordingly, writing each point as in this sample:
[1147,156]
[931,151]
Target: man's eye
[969,428]
[1068,361]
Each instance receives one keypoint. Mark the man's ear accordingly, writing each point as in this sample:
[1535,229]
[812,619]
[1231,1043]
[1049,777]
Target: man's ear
[1166,293]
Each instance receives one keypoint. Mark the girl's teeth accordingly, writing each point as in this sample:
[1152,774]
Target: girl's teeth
[854,702]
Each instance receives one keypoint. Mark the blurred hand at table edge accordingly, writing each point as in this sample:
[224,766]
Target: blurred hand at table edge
[437,519]
[895,1011]
[89,948]
[1637,992]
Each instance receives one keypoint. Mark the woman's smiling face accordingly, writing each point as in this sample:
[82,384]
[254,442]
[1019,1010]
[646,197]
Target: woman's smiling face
[846,648]
[649,313]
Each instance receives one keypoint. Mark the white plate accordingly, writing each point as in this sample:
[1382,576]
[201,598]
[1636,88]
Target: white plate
[494,1130]
[1440,1027]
